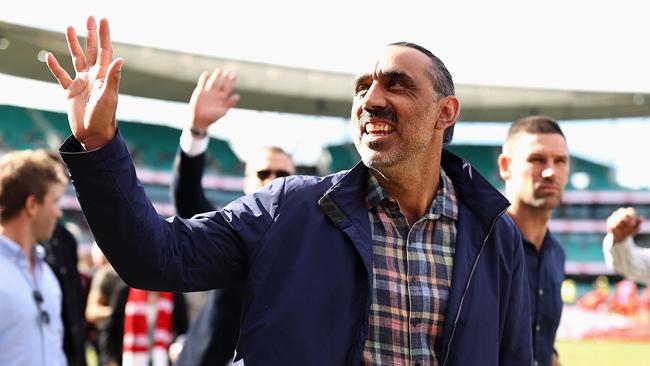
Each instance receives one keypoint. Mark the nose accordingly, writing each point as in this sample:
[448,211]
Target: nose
[375,97]
[548,172]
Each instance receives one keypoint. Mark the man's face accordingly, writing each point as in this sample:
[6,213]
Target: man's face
[263,169]
[536,169]
[394,109]
[47,213]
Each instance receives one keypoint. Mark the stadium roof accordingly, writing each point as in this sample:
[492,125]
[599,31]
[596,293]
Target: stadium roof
[170,75]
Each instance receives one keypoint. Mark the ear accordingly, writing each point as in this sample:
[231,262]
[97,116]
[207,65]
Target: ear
[448,111]
[31,205]
[504,166]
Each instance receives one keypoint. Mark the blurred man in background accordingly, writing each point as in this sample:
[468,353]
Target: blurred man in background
[31,327]
[62,257]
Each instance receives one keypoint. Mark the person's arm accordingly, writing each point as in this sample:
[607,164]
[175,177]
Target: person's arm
[146,251]
[188,195]
[516,340]
[151,253]
[626,258]
[620,250]
[211,100]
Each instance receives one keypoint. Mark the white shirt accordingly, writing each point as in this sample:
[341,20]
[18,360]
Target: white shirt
[626,258]
[193,146]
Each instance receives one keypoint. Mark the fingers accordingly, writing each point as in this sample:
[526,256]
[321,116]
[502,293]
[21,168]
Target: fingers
[623,223]
[59,73]
[214,82]
[114,75]
[220,80]
[105,48]
[91,41]
[77,54]
[229,82]
[232,101]
[203,79]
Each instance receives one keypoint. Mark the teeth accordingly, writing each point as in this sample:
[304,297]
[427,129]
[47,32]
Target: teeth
[378,127]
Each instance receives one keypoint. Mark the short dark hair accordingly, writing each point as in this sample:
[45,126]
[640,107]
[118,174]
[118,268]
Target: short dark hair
[443,83]
[25,173]
[534,124]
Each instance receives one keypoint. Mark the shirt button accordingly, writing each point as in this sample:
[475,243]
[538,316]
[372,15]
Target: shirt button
[535,363]
[541,292]
[537,328]
[414,280]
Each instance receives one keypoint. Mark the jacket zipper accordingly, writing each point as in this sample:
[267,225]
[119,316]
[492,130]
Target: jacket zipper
[471,276]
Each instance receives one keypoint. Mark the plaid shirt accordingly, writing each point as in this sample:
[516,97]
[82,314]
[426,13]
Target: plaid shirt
[412,268]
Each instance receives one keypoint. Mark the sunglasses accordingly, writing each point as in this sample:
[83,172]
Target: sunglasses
[44,316]
[266,173]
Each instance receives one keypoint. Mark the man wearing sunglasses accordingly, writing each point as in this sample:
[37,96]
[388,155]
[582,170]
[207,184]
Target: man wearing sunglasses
[31,328]
[405,259]
[212,337]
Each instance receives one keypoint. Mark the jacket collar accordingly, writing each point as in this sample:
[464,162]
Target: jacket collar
[474,191]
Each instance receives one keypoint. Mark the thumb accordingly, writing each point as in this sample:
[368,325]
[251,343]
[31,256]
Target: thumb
[233,100]
[114,75]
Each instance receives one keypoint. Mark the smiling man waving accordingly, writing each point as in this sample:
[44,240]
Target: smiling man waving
[405,259]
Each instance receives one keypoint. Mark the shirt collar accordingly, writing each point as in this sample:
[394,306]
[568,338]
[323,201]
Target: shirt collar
[13,251]
[445,202]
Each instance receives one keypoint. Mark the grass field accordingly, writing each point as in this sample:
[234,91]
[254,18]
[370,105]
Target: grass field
[603,353]
[572,353]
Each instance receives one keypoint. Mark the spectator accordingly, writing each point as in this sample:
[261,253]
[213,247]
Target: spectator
[106,289]
[62,257]
[32,333]
[151,322]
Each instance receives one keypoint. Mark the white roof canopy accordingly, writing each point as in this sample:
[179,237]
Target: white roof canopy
[170,75]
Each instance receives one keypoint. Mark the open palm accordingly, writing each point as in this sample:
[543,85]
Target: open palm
[212,98]
[92,94]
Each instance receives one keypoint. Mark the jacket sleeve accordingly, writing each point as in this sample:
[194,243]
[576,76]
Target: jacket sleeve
[152,253]
[188,195]
[516,342]
[627,258]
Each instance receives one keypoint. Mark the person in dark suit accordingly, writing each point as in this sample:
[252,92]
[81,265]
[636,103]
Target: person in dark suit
[61,255]
[213,336]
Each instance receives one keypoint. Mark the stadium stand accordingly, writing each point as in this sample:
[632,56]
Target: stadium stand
[153,146]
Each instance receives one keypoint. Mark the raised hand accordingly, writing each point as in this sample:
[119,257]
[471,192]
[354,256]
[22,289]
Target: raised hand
[92,94]
[623,223]
[212,98]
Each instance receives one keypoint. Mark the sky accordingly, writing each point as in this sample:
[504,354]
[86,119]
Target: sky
[579,45]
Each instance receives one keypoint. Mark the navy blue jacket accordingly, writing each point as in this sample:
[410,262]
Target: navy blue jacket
[303,245]
[212,338]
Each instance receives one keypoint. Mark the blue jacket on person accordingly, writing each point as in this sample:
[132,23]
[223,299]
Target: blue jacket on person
[303,245]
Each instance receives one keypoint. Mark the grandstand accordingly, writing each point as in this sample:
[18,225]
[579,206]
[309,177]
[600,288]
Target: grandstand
[152,146]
